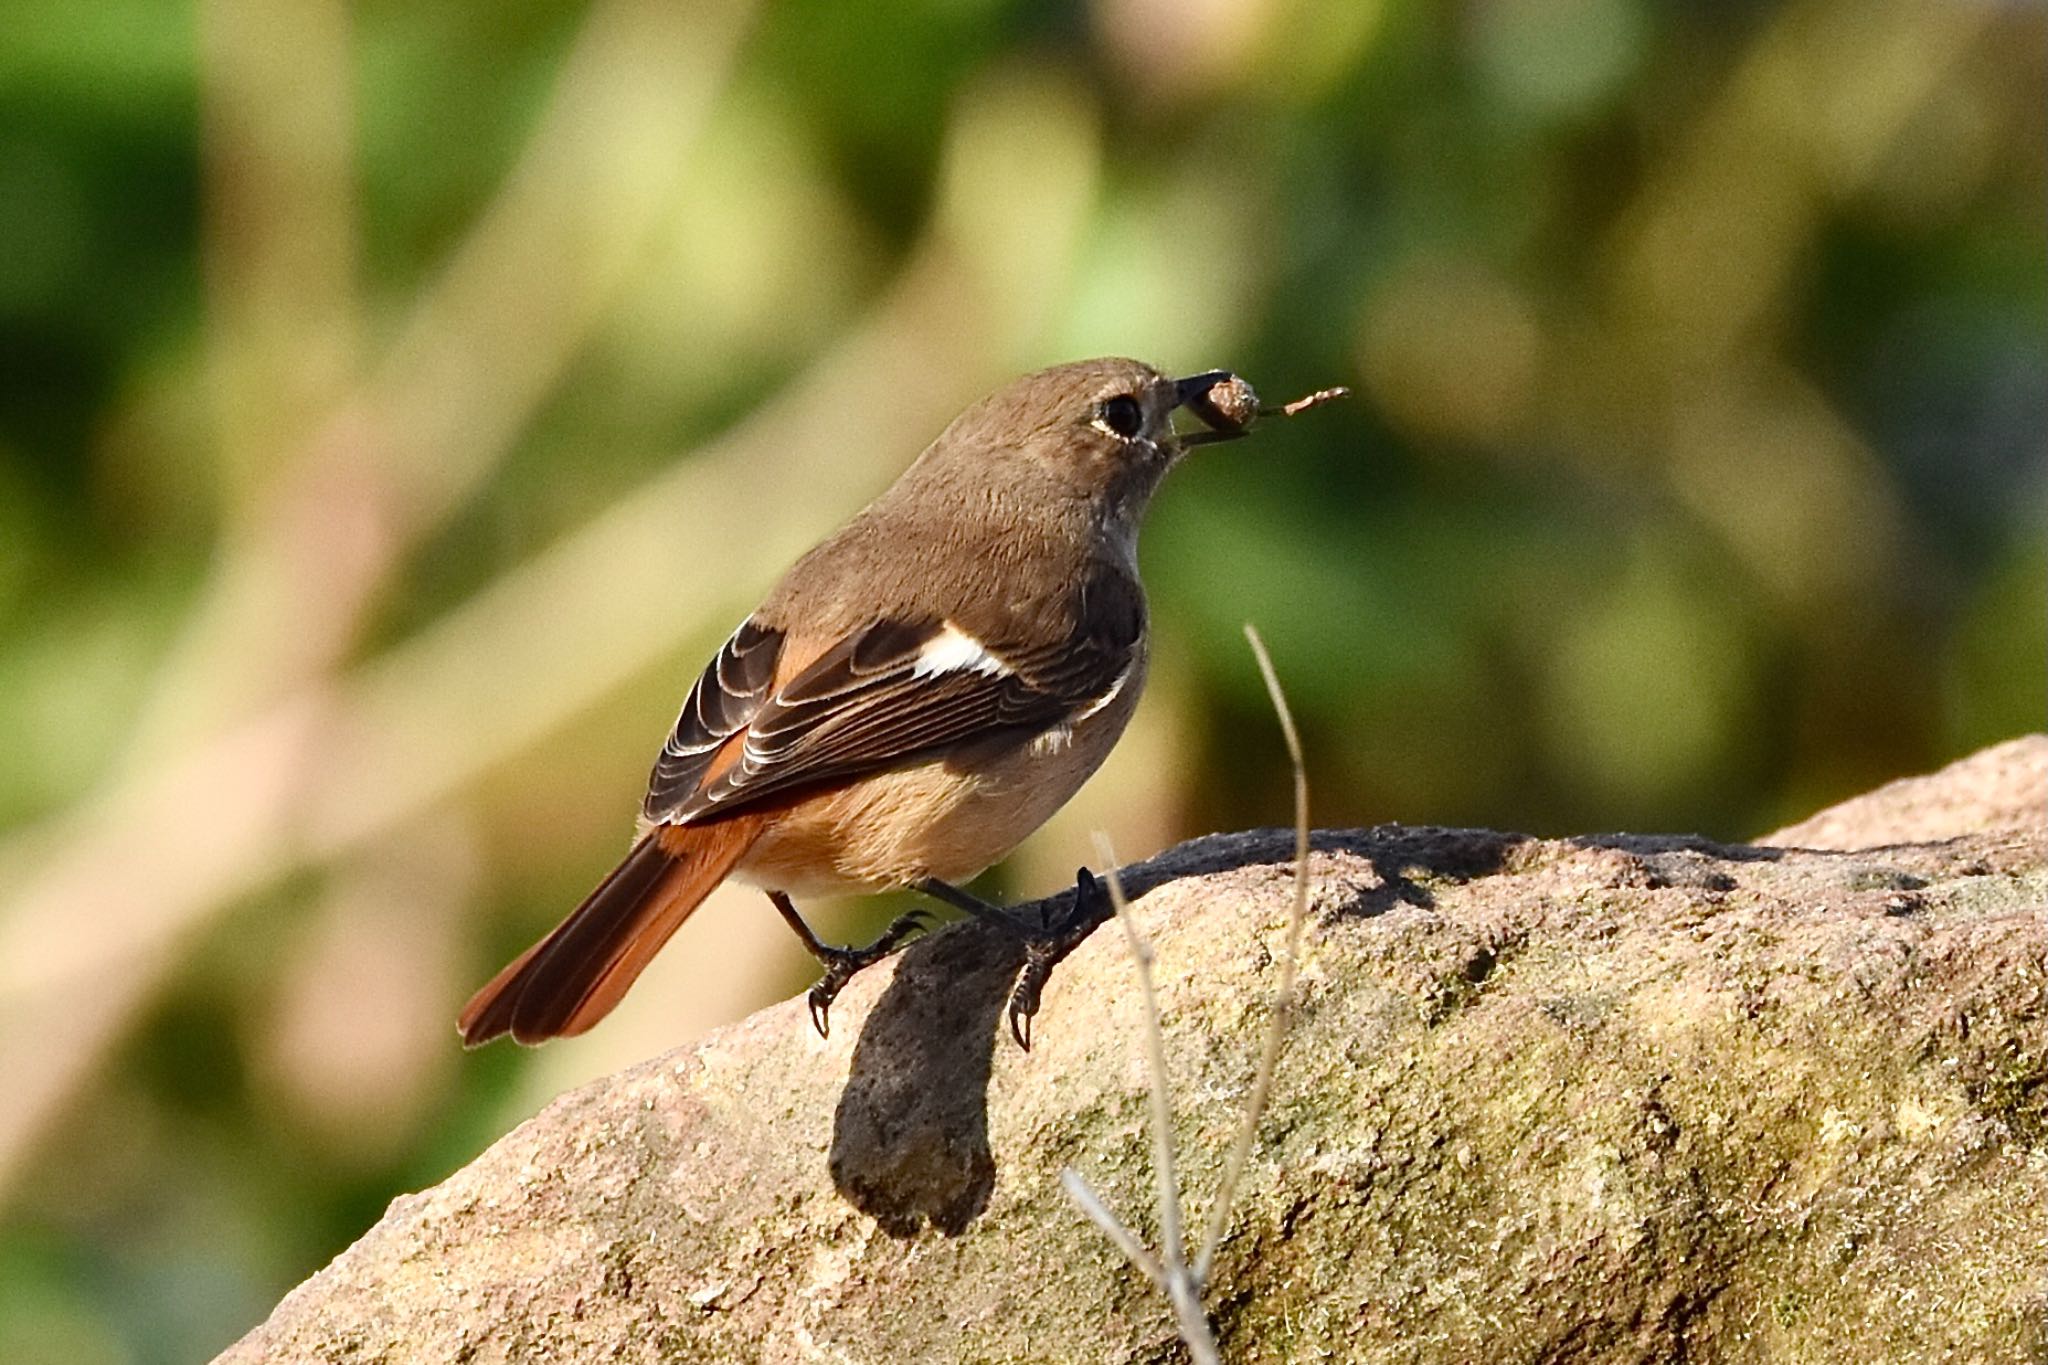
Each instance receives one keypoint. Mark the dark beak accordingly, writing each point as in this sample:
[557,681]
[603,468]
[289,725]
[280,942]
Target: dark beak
[1196,386]
[1193,393]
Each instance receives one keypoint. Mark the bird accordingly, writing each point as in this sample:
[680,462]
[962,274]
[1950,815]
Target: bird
[918,693]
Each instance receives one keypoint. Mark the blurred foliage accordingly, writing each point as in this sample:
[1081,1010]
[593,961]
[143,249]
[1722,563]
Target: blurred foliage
[1694,478]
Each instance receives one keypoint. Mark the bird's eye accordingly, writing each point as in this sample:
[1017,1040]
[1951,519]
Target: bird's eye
[1121,415]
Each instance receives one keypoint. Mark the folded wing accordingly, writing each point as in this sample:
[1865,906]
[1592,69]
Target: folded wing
[894,691]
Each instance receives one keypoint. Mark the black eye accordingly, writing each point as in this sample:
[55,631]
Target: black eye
[1121,415]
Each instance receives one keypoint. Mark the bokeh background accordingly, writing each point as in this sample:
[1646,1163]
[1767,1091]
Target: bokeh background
[398,401]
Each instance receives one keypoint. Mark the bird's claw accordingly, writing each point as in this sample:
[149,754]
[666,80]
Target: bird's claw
[902,927]
[1045,950]
[842,963]
[1030,985]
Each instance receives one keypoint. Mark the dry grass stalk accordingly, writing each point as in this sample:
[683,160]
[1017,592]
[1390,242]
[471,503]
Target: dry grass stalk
[1290,963]
[1170,1271]
[1184,1284]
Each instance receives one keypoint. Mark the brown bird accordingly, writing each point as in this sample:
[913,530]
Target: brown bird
[918,694]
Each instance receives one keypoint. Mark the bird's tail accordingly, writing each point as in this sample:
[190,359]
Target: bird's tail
[571,979]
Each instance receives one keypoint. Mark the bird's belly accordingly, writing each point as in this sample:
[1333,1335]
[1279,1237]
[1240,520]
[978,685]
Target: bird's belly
[949,818]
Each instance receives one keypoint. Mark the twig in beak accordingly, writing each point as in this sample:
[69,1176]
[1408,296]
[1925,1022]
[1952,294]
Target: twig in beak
[1300,405]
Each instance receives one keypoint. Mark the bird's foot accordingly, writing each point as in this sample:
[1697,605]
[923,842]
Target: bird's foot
[841,965]
[1047,946]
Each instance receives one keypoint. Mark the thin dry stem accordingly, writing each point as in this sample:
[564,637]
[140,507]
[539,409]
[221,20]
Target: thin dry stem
[1283,994]
[1170,1231]
[1185,1284]
[1083,1194]
[1183,1289]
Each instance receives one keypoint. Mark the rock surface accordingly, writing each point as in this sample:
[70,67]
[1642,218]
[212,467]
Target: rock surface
[1614,1098]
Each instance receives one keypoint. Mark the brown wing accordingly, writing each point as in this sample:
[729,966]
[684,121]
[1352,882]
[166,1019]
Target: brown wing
[889,693]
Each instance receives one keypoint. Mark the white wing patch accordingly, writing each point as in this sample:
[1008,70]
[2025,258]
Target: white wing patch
[953,650]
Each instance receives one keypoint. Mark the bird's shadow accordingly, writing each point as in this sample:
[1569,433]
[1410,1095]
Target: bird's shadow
[910,1136]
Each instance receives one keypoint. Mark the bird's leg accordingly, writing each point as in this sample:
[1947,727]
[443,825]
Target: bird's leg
[841,963]
[970,903]
[1044,946]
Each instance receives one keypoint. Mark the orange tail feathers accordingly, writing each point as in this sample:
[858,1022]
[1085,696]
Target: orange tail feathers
[571,979]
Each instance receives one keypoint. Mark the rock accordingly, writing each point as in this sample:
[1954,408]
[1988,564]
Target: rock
[2003,787]
[1616,1098]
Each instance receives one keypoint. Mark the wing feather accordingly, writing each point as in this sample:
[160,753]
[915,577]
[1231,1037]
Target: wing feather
[874,699]
[727,697]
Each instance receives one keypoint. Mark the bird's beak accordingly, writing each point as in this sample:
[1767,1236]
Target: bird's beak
[1196,385]
[1193,393]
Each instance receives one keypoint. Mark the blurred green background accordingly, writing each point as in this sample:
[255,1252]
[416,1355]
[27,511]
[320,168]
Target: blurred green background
[399,401]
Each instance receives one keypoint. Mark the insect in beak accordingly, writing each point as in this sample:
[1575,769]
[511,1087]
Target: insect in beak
[1227,405]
